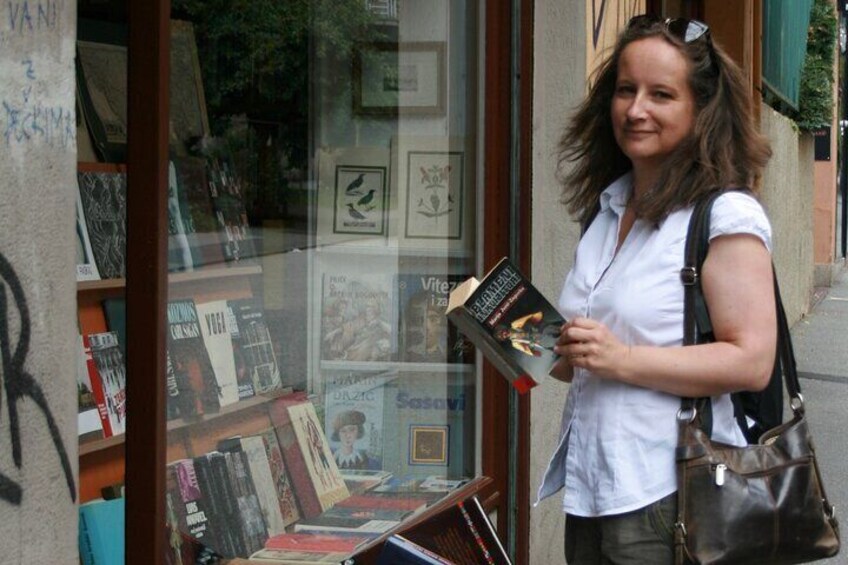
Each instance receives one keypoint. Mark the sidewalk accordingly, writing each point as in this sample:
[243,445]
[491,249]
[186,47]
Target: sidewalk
[821,350]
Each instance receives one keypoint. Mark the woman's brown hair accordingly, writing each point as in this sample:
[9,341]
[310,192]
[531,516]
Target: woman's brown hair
[725,149]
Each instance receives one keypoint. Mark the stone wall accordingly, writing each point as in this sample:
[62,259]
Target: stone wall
[38,442]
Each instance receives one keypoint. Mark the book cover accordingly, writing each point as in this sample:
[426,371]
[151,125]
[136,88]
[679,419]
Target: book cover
[108,361]
[354,526]
[358,513]
[115,311]
[193,373]
[356,318]
[315,543]
[230,519]
[280,477]
[225,188]
[102,87]
[180,257]
[363,480]
[88,417]
[251,521]
[263,482]
[252,343]
[425,336]
[104,202]
[175,408]
[214,326]
[432,425]
[290,557]
[371,502]
[101,532]
[86,265]
[317,482]
[462,533]
[511,323]
[223,538]
[353,418]
[198,217]
[397,550]
[190,506]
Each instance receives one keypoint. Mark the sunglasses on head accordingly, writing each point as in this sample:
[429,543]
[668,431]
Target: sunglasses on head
[684,29]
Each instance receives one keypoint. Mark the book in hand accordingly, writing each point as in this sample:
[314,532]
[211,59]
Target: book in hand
[510,321]
[400,551]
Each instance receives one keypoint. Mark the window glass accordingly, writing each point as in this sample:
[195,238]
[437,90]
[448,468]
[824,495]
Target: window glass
[322,203]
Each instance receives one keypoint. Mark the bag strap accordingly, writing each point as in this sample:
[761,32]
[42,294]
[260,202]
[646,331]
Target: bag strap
[697,327]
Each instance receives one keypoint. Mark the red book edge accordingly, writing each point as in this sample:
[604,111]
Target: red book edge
[97,387]
[523,384]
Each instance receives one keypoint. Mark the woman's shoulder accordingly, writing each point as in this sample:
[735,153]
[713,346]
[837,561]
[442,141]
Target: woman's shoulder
[739,212]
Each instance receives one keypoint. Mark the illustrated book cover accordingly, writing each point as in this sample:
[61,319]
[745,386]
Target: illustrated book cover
[281,478]
[317,481]
[88,417]
[190,506]
[252,345]
[425,336]
[356,318]
[353,418]
[227,194]
[510,321]
[86,265]
[198,391]
[104,202]
[432,425]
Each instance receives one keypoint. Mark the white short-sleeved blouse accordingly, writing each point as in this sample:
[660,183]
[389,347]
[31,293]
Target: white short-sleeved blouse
[617,441]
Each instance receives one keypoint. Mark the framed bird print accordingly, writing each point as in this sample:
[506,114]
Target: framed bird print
[353,195]
[434,177]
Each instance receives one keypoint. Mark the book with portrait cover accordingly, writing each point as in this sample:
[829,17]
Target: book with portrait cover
[318,484]
[353,418]
[425,336]
[198,391]
[510,322]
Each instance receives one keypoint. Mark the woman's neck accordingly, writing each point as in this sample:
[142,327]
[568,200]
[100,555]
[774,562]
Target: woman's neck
[644,179]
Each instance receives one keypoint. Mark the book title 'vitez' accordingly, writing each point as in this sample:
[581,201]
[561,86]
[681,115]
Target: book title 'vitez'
[494,294]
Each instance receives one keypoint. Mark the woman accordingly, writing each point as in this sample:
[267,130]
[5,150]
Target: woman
[348,428]
[667,121]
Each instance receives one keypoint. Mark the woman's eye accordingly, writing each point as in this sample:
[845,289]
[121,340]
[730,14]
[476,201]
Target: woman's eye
[663,94]
[624,89]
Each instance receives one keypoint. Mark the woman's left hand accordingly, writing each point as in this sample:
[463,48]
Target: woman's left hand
[589,344]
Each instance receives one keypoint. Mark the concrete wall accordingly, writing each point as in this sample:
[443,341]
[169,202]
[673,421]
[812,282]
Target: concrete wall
[38,515]
[559,80]
[788,198]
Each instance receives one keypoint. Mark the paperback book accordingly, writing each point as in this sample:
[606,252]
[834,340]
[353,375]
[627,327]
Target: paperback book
[356,318]
[252,346]
[425,334]
[198,391]
[400,551]
[510,321]
[107,375]
[214,326]
[104,202]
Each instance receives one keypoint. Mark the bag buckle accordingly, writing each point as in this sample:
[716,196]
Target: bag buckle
[689,275]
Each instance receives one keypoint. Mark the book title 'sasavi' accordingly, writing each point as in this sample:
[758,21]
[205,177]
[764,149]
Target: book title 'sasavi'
[494,293]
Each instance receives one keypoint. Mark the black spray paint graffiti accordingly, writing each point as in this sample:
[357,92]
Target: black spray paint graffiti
[19,384]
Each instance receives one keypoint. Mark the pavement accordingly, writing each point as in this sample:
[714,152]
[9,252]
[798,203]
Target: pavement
[821,351]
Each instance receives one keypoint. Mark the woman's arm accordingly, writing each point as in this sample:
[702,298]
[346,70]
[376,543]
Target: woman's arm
[739,290]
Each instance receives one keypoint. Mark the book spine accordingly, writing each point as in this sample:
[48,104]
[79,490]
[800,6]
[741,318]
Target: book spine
[260,471]
[280,477]
[252,522]
[218,539]
[226,494]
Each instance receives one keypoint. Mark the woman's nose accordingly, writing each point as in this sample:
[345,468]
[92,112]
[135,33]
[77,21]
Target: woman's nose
[636,109]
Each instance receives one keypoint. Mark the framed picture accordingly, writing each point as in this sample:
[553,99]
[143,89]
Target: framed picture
[428,445]
[392,78]
[433,177]
[353,195]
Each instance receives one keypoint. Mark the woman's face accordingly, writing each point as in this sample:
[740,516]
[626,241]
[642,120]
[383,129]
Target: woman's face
[348,435]
[653,108]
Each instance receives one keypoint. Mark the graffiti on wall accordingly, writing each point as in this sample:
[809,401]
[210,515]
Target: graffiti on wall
[604,19]
[18,384]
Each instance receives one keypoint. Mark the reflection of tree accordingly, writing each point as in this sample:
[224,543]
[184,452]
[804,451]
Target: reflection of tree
[255,60]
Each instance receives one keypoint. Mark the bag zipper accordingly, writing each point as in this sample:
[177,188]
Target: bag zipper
[719,470]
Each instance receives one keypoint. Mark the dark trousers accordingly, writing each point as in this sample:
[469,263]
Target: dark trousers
[641,537]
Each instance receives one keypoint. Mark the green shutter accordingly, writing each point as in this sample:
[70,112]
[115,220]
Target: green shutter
[784,47]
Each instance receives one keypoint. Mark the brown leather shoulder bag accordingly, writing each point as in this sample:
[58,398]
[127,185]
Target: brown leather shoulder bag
[764,503]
